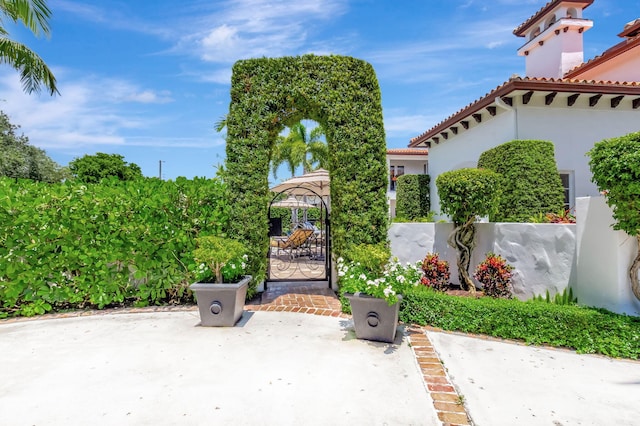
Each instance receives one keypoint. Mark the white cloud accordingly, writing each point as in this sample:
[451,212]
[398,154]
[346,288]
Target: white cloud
[91,111]
[409,125]
[253,28]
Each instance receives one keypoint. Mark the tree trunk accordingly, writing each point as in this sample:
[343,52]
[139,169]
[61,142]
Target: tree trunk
[634,269]
[463,240]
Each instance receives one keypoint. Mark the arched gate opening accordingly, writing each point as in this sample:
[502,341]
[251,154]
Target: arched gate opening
[299,237]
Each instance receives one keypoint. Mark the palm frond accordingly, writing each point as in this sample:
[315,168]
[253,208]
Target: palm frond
[33,71]
[34,14]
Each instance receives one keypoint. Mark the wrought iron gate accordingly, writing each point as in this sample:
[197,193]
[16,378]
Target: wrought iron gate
[300,247]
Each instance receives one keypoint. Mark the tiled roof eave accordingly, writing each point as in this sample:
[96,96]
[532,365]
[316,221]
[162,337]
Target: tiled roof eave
[528,84]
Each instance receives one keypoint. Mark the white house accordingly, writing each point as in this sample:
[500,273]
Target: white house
[561,99]
[401,161]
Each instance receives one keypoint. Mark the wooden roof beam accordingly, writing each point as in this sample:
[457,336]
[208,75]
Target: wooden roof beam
[492,110]
[477,117]
[593,100]
[549,98]
[527,97]
[616,101]
[572,99]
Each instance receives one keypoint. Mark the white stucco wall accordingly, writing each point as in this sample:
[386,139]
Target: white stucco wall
[559,53]
[464,149]
[573,130]
[604,256]
[543,255]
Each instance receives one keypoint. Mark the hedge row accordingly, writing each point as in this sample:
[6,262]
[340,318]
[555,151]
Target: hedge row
[587,330]
[70,246]
[530,181]
[412,197]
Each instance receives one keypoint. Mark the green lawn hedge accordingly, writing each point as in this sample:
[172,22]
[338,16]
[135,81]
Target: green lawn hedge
[74,246]
[587,330]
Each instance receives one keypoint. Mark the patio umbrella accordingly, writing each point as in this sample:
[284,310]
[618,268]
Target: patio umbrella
[294,204]
[316,181]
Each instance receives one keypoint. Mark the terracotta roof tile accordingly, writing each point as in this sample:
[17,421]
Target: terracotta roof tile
[530,83]
[546,8]
[612,52]
[407,151]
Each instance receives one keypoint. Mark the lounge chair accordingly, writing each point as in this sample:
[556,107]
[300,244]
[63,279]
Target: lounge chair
[295,243]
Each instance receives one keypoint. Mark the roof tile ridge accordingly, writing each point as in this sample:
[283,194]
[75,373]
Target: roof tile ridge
[525,23]
[481,98]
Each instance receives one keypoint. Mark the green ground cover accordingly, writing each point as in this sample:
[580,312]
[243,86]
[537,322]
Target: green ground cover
[587,330]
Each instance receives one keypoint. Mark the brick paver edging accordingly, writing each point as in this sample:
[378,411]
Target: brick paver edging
[448,403]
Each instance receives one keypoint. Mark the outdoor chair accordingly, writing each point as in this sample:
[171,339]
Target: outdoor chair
[295,244]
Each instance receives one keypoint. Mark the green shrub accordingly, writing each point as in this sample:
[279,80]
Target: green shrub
[530,180]
[586,330]
[615,164]
[564,298]
[412,197]
[75,246]
[436,272]
[373,257]
[340,93]
[494,273]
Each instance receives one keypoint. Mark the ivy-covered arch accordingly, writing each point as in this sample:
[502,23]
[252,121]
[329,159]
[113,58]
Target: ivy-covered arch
[341,93]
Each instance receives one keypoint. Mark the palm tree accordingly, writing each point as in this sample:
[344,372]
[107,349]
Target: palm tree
[300,148]
[33,14]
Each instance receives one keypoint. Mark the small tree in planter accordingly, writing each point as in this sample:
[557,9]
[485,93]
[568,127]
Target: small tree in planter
[220,298]
[615,164]
[494,273]
[466,194]
[221,259]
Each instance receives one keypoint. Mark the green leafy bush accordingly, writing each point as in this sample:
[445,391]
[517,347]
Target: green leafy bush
[412,197]
[342,94]
[530,180]
[395,279]
[586,330]
[216,252]
[615,164]
[74,246]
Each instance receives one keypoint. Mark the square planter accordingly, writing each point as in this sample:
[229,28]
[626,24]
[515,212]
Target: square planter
[221,305]
[373,318]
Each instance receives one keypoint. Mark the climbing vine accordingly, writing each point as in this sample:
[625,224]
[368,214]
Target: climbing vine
[340,93]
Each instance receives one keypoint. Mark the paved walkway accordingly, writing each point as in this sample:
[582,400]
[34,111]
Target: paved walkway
[143,366]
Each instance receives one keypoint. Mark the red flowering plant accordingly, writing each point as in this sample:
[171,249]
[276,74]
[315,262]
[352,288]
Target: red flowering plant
[436,272]
[494,273]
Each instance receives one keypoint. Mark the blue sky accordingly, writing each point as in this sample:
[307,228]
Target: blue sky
[148,79]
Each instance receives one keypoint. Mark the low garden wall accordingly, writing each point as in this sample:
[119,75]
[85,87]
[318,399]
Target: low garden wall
[543,255]
[604,256]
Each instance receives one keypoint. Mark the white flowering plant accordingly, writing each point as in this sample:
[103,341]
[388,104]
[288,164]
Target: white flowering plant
[395,279]
[219,260]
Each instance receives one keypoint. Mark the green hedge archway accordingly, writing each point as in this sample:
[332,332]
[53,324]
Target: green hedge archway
[341,93]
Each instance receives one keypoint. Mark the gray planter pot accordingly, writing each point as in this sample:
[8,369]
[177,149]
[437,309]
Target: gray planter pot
[373,318]
[221,305]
